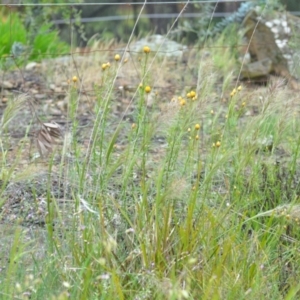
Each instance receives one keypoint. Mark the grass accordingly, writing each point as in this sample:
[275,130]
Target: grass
[188,193]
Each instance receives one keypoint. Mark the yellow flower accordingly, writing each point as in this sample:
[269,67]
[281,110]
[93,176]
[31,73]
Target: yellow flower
[74,79]
[133,125]
[218,144]
[188,95]
[182,102]
[194,98]
[244,104]
[233,93]
[146,49]
[193,94]
[239,88]
[197,137]
[117,57]
[212,112]
[104,66]
[197,126]
[147,89]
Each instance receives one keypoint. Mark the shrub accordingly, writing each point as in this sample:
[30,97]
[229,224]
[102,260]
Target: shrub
[46,42]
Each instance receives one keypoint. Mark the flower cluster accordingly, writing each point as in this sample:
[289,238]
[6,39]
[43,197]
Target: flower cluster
[235,90]
[105,66]
[196,127]
[192,95]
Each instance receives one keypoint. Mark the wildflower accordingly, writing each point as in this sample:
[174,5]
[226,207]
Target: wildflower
[182,102]
[74,79]
[233,93]
[197,126]
[133,125]
[212,112]
[188,95]
[117,57]
[244,104]
[193,94]
[194,98]
[104,66]
[108,64]
[140,85]
[146,49]
[189,129]
[218,144]
[147,89]
[197,137]
[239,88]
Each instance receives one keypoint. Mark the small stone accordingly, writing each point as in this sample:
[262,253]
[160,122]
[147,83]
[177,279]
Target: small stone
[34,91]
[269,24]
[40,96]
[30,66]
[277,22]
[6,85]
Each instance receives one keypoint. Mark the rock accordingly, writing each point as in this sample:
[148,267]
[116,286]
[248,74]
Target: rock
[6,85]
[159,43]
[32,65]
[257,69]
[265,51]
